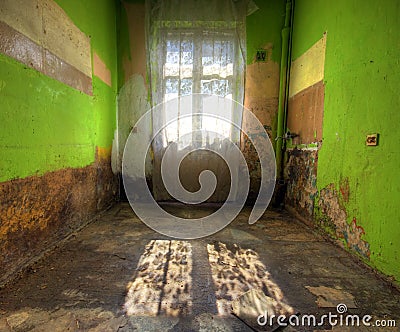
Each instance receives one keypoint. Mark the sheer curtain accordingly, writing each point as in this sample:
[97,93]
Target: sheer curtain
[194,47]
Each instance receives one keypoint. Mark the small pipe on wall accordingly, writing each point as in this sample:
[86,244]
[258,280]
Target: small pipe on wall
[283,88]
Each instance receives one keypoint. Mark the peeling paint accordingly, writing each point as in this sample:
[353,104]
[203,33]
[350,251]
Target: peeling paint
[301,176]
[345,189]
[38,211]
[360,98]
[55,172]
[333,217]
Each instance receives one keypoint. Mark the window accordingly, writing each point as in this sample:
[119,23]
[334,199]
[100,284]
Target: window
[195,47]
[197,63]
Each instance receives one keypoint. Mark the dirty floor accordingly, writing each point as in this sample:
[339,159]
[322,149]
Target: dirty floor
[118,275]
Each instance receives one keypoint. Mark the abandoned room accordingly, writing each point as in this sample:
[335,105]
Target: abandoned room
[199,165]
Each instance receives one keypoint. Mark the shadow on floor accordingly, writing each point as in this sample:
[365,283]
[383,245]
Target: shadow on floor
[119,275]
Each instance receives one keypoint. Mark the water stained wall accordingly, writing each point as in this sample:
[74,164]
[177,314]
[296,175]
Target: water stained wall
[301,177]
[262,80]
[261,98]
[304,121]
[58,116]
[39,211]
[332,216]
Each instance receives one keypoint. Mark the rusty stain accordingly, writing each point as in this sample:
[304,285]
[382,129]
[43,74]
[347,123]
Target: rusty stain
[301,177]
[345,189]
[38,211]
[334,216]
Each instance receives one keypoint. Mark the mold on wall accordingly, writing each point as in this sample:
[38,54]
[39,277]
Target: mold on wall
[358,189]
[301,177]
[332,216]
[55,141]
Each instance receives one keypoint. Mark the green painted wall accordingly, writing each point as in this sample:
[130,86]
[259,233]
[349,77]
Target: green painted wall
[264,26]
[361,97]
[47,125]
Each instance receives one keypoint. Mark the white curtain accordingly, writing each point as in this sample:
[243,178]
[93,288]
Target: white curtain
[194,47]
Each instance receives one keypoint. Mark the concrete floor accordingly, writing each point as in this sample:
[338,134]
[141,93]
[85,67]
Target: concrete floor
[118,275]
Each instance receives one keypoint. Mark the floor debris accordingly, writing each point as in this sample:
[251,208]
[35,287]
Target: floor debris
[259,310]
[328,297]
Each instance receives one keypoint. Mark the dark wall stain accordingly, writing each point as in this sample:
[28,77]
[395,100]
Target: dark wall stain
[301,179]
[38,211]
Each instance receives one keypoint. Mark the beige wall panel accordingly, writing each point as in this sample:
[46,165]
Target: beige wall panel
[46,23]
[308,69]
[64,39]
[262,80]
[100,69]
[25,16]
[306,113]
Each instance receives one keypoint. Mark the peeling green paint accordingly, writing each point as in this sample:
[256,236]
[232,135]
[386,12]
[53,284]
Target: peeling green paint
[361,97]
[47,125]
[290,145]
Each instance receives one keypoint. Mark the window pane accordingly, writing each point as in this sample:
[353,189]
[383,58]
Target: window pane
[217,57]
[186,86]
[187,52]
[171,88]
[217,87]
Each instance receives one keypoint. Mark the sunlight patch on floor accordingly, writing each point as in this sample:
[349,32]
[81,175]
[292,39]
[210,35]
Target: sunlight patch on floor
[162,284]
[236,270]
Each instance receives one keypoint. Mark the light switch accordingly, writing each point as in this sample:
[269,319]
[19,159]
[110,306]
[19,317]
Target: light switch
[372,140]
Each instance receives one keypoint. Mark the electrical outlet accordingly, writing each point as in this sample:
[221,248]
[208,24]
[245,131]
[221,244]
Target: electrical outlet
[261,56]
[372,140]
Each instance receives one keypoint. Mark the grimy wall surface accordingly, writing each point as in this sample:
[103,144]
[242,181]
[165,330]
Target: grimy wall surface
[263,29]
[345,63]
[58,82]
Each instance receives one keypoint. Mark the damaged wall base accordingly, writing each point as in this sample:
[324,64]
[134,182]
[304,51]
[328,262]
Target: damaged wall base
[40,211]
